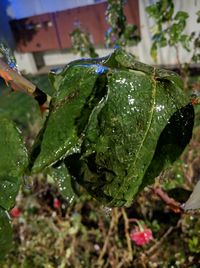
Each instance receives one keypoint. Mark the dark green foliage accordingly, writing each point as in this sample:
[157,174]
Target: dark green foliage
[110,120]
[59,135]
[114,124]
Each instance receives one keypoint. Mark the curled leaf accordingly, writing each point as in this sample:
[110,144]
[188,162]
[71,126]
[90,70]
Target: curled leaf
[117,123]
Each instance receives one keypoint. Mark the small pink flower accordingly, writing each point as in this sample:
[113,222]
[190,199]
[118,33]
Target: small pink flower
[56,203]
[141,236]
[15,212]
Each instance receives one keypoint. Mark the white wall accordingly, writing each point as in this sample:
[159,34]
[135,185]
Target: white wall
[26,62]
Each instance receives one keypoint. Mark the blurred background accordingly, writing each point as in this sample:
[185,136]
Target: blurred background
[39,31]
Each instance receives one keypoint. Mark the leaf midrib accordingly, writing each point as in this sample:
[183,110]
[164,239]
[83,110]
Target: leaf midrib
[148,127]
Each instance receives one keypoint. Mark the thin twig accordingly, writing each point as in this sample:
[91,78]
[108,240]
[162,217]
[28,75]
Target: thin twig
[158,243]
[173,204]
[19,83]
[126,229]
[15,80]
[105,246]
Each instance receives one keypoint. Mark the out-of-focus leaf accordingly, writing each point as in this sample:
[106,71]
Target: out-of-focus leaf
[181,15]
[5,234]
[198,16]
[154,52]
[13,161]
[185,41]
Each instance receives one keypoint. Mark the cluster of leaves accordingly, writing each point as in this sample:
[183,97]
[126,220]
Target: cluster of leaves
[81,43]
[120,33]
[169,29]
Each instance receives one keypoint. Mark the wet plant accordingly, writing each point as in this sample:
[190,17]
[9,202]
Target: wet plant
[99,134]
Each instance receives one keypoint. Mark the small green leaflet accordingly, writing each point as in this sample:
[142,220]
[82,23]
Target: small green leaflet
[115,123]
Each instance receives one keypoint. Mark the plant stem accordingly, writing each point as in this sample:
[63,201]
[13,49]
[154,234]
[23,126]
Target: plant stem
[126,228]
[19,83]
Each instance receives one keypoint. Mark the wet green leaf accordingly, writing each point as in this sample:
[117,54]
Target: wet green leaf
[13,161]
[5,234]
[69,112]
[64,182]
[117,123]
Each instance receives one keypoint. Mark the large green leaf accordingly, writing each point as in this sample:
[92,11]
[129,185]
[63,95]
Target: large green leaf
[117,123]
[5,234]
[122,135]
[69,112]
[13,161]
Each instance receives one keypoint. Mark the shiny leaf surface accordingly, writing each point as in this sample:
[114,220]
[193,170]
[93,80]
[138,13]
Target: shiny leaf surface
[125,122]
[59,135]
[13,161]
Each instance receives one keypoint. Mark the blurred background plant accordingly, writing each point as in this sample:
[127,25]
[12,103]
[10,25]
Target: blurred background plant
[120,33]
[82,44]
[169,29]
